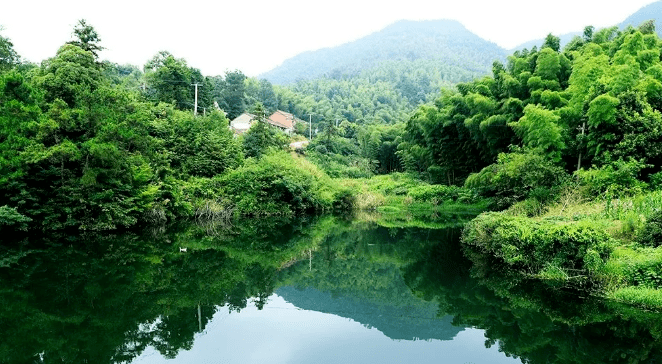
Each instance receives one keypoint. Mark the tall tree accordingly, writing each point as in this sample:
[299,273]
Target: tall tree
[552,42]
[169,80]
[234,93]
[87,38]
[8,56]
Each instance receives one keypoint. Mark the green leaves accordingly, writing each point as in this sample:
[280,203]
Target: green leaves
[548,65]
[540,131]
[602,110]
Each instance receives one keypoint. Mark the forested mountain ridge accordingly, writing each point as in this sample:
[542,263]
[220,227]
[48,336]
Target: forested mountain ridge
[649,12]
[565,39]
[446,41]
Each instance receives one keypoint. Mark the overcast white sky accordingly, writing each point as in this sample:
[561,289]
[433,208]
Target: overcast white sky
[256,36]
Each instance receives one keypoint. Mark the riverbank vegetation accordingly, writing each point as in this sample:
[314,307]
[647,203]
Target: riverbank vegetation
[564,143]
[82,147]
[93,145]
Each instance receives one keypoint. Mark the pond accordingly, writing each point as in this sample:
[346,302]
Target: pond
[322,290]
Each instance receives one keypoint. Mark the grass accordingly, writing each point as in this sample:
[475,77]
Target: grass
[643,297]
[392,194]
[632,274]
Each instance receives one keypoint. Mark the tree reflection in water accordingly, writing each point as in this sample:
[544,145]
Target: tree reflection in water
[105,299]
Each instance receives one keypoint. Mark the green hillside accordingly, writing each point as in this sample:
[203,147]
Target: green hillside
[445,41]
[649,12]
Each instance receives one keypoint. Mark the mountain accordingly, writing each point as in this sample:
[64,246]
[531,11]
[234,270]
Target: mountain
[444,41]
[652,11]
[565,39]
[649,12]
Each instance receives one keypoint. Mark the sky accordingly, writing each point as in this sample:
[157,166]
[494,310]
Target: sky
[257,36]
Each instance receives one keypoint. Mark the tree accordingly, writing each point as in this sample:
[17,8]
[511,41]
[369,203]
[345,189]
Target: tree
[267,95]
[262,136]
[647,27]
[552,42]
[548,65]
[540,131]
[200,146]
[234,93]
[69,75]
[87,38]
[588,33]
[87,167]
[169,80]
[8,56]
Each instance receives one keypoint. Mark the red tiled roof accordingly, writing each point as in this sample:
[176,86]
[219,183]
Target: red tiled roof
[282,119]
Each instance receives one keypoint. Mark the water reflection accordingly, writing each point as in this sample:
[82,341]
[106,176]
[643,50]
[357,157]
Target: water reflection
[306,289]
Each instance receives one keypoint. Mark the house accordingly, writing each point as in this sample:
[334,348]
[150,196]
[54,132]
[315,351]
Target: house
[242,123]
[284,121]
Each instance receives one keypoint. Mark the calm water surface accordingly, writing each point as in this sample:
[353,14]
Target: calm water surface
[325,290]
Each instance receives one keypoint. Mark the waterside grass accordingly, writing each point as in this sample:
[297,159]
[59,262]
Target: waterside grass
[629,273]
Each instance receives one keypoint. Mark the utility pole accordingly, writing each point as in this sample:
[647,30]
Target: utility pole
[579,160]
[310,125]
[195,105]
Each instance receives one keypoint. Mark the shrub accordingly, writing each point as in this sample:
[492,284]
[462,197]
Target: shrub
[278,184]
[640,267]
[393,184]
[344,199]
[339,166]
[618,178]
[515,177]
[651,234]
[529,208]
[656,181]
[11,218]
[529,245]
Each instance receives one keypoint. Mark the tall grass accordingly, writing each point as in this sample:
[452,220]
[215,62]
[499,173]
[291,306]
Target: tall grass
[643,204]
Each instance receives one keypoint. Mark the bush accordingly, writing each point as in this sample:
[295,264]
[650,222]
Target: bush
[531,246]
[278,184]
[11,218]
[656,181]
[651,234]
[530,207]
[618,178]
[636,267]
[339,166]
[368,201]
[517,176]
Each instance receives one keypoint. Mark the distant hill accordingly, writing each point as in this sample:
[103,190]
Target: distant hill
[565,39]
[652,11]
[445,41]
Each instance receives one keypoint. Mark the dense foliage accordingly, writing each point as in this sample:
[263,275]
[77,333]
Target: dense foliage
[445,41]
[592,104]
[98,146]
[539,247]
